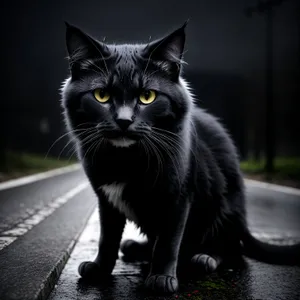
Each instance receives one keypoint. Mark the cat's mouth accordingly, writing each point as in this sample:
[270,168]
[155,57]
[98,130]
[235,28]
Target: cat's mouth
[118,134]
[122,142]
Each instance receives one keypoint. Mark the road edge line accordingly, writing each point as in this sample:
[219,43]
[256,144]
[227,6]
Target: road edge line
[38,176]
[273,187]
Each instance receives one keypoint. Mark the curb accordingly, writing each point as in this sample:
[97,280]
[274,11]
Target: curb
[46,288]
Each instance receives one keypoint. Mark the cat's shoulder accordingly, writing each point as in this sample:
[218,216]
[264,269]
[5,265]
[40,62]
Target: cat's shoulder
[211,130]
[206,120]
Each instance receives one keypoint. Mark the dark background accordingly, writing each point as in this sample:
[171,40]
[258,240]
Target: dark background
[226,56]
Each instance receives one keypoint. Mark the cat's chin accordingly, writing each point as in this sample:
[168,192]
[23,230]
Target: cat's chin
[122,142]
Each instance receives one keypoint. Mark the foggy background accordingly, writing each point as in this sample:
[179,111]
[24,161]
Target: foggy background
[225,52]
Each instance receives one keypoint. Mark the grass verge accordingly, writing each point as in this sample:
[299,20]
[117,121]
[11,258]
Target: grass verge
[21,164]
[286,170]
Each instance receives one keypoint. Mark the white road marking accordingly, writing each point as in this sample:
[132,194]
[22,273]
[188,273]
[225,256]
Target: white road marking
[273,187]
[92,230]
[86,247]
[9,236]
[36,177]
[92,233]
[275,238]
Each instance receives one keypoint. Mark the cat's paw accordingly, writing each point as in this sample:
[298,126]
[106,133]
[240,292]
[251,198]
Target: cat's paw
[205,263]
[135,251]
[91,271]
[162,284]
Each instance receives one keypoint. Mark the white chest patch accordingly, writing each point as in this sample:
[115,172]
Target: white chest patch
[114,193]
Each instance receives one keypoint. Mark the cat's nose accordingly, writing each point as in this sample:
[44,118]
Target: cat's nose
[124,123]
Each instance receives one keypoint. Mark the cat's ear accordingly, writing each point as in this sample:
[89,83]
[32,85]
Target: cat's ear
[168,49]
[81,46]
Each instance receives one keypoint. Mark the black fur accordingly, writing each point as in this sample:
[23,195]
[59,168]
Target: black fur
[181,179]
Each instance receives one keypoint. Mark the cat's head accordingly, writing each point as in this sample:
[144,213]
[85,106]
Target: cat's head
[125,93]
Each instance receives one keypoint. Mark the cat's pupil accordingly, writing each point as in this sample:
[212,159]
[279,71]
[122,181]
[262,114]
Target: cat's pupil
[102,93]
[146,95]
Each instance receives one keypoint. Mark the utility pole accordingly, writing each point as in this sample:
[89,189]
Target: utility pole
[270,124]
[266,8]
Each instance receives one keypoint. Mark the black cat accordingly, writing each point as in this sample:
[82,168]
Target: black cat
[156,158]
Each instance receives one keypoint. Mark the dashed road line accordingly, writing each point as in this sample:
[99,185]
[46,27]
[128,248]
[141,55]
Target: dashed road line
[9,236]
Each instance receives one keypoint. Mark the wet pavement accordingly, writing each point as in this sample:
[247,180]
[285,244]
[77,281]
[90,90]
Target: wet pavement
[40,223]
[254,282]
[250,280]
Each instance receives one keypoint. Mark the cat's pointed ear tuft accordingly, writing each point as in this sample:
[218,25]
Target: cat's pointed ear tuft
[185,23]
[67,24]
[82,46]
[169,48]
[166,53]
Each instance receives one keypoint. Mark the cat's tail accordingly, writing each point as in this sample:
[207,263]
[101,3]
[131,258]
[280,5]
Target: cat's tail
[273,254]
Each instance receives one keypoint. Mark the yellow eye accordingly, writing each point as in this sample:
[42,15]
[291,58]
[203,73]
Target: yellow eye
[101,95]
[147,96]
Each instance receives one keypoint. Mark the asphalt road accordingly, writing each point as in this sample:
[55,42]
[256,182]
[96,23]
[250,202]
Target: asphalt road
[40,222]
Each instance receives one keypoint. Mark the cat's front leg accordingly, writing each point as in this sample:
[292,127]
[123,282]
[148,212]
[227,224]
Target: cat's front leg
[111,228]
[162,277]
